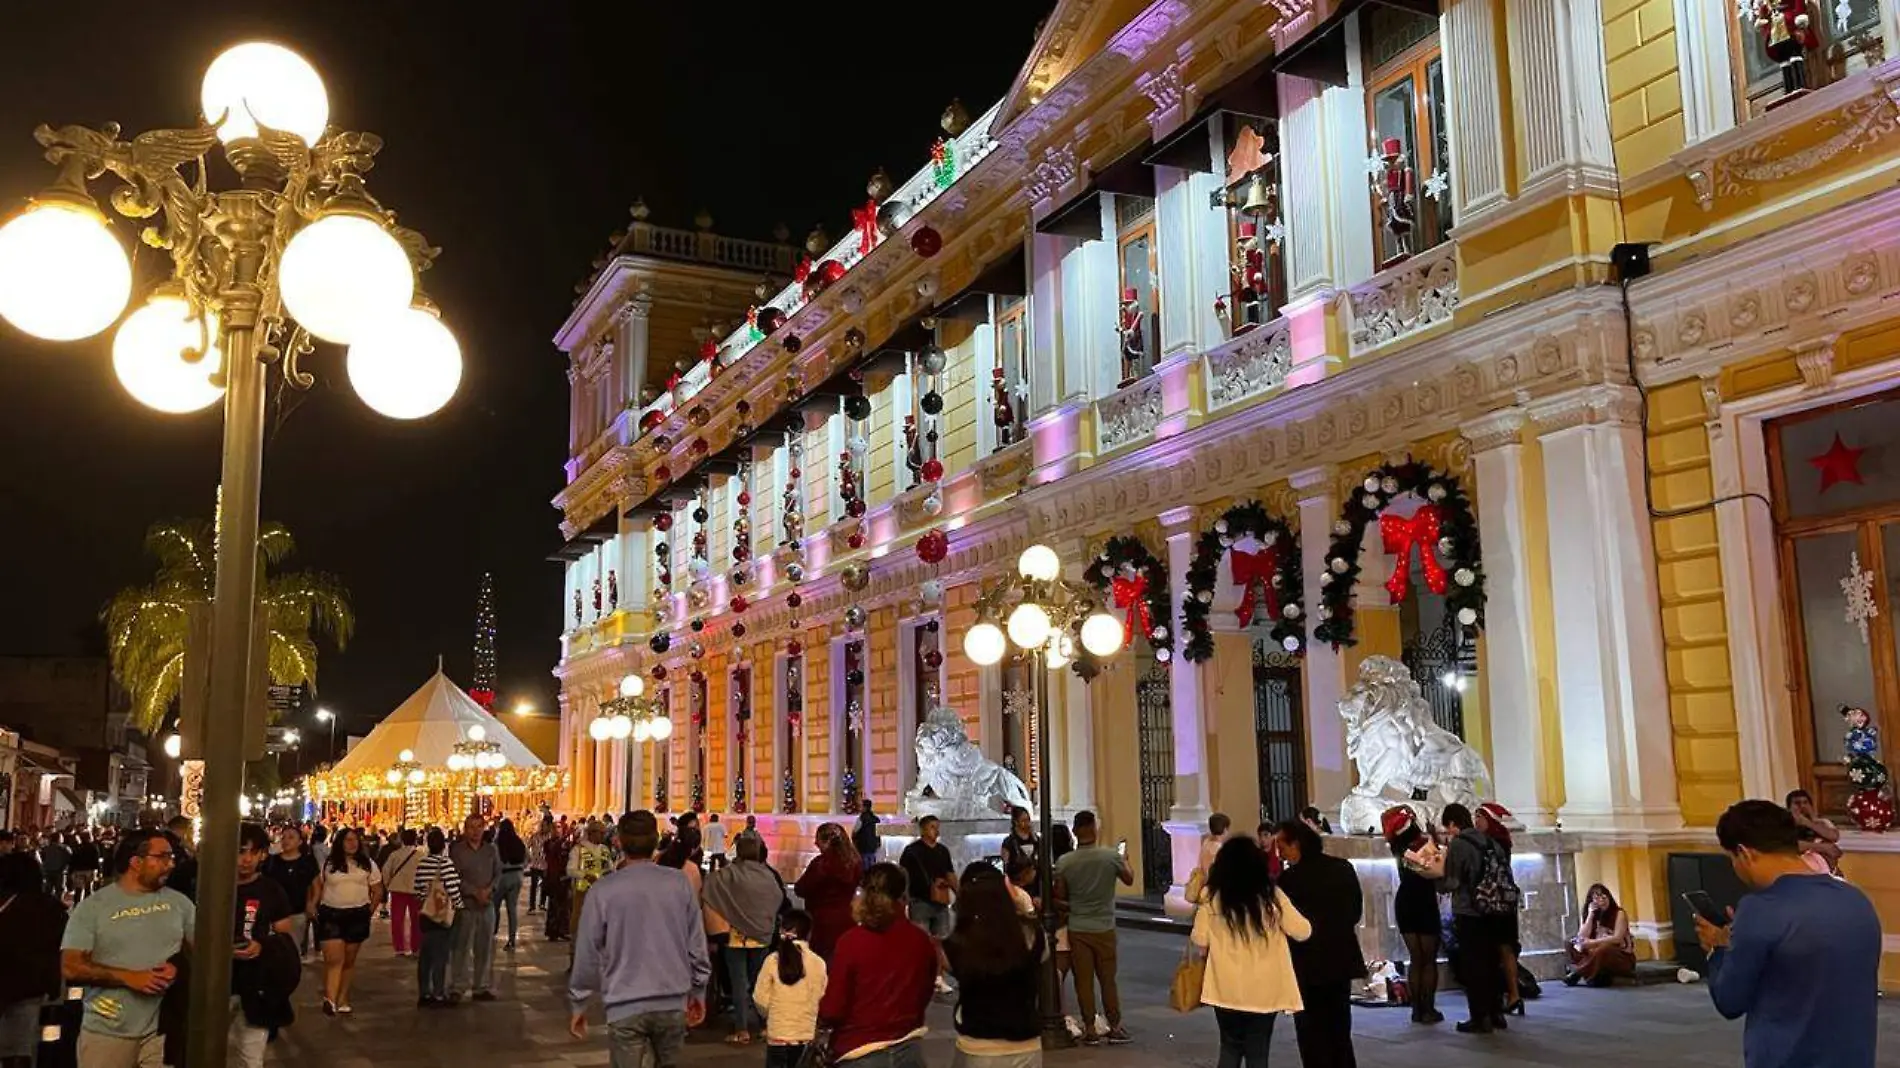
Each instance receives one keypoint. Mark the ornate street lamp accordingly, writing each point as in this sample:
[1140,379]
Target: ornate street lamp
[407,773]
[300,251]
[1045,616]
[630,715]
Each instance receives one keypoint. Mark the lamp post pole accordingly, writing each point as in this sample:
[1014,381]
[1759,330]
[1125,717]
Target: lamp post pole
[1055,1033]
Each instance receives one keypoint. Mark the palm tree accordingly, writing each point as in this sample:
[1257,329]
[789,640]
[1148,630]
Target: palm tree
[147,626]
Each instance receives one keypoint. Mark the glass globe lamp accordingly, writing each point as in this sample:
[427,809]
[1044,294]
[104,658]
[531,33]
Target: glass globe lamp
[406,366]
[1039,562]
[632,686]
[622,727]
[984,644]
[477,733]
[1059,651]
[174,745]
[156,356]
[343,275]
[598,730]
[262,84]
[1029,625]
[394,776]
[1102,634]
[642,731]
[662,728]
[406,755]
[63,276]
[415,776]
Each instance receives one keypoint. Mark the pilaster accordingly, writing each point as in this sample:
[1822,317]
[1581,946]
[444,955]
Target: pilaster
[1175,212]
[631,349]
[1613,693]
[1331,773]
[1187,701]
[1518,745]
[1329,225]
[1560,105]
[1470,30]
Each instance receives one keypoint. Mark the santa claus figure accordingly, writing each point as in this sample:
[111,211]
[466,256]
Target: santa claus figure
[1131,325]
[913,451]
[1786,35]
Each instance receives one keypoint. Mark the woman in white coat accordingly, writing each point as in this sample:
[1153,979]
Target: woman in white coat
[1243,924]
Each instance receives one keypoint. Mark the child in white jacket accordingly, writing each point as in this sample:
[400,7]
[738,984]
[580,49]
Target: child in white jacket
[788,992]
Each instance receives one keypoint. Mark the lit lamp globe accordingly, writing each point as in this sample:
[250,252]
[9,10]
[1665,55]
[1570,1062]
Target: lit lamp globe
[262,84]
[458,762]
[599,729]
[1039,562]
[632,686]
[343,275]
[406,755]
[156,355]
[662,728]
[407,366]
[984,644]
[1029,625]
[623,727]
[1102,634]
[477,733]
[641,731]
[1059,651]
[415,776]
[394,776]
[63,276]
[174,745]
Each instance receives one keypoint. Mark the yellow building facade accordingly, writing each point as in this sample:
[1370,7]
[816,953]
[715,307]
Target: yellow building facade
[1534,342]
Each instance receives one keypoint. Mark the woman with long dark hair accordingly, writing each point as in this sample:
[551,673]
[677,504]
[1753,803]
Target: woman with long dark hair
[1244,922]
[996,957]
[788,992]
[514,859]
[1603,948]
[883,973]
[1415,908]
[828,886]
[348,890]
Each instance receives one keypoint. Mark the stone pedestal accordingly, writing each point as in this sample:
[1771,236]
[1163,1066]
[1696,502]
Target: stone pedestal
[1544,864]
[969,841]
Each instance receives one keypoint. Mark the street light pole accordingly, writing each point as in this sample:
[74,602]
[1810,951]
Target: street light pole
[1055,1033]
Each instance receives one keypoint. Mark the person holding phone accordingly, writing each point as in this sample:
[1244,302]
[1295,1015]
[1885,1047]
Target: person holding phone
[1085,895]
[1800,957]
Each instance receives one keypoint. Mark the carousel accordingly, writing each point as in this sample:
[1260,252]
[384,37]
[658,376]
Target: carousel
[434,760]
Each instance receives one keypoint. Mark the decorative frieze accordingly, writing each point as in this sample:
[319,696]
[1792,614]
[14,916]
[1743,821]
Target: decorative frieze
[1397,303]
[1128,415]
[1854,115]
[1249,365]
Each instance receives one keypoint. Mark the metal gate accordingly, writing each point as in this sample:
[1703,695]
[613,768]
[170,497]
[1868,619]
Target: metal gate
[1437,660]
[1279,733]
[1154,721]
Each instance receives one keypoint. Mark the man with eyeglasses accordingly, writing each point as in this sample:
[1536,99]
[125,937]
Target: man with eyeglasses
[119,943]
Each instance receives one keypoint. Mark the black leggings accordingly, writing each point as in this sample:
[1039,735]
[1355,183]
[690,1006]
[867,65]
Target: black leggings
[1422,973]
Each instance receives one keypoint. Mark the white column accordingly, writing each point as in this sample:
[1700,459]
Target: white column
[1562,108]
[1703,63]
[630,350]
[1324,194]
[1330,773]
[1076,753]
[1468,30]
[1303,189]
[1050,381]
[1211,253]
[1186,701]
[1347,146]
[1613,693]
[1518,760]
[1174,238]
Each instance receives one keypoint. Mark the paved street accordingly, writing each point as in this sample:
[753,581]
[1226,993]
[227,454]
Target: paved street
[1657,1025]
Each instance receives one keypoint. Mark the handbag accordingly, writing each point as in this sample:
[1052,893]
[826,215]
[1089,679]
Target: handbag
[436,906]
[1184,993]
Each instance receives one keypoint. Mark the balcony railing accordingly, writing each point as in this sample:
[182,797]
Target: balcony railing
[1405,299]
[704,246]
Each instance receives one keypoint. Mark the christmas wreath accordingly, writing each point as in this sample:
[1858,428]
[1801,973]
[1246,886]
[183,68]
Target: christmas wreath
[1269,576]
[1136,582]
[1443,532]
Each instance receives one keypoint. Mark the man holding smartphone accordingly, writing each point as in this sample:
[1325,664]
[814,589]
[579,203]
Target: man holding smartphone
[1800,957]
[1085,894]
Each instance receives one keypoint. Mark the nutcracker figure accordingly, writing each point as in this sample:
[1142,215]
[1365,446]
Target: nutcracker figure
[1131,325]
[1250,278]
[1786,35]
[913,451]
[1397,195]
[1003,411]
[613,589]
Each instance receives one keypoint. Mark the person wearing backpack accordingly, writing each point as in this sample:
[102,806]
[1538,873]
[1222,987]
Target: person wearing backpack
[1483,898]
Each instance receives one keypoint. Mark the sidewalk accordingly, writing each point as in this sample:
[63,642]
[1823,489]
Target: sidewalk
[1660,1026]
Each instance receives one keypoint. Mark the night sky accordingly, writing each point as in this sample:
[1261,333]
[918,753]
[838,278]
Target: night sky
[515,143]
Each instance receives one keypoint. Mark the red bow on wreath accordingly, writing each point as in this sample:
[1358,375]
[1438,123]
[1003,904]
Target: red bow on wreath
[1132,594]
[1401,536]
[1255,569]
[864,221]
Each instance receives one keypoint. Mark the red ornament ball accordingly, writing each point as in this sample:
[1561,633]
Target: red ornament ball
[659,672]
[794,647]
[743,407]
[1871,809]
[933,660]
[745,499]
[663,523]
[770,319]
[796,473]
[933,470]
[926,241]
[738,630]
[793,600]
[933,547]
[700,447]
[856,508]
[698,415]
[856,541]
[663,473]
[698,675]
[739,603]
[652,419]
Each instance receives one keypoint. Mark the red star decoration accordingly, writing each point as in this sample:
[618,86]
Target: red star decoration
[1840,463]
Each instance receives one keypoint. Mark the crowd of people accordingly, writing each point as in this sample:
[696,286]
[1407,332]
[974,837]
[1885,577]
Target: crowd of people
[678,924]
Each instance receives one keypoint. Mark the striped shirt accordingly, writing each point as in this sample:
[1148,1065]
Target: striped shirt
[439,866]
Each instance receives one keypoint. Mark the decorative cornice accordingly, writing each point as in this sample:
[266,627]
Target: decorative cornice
[1856,116]
[1249,365]
[1164,89]
[1594,405]
[1815,358]
[1500,428]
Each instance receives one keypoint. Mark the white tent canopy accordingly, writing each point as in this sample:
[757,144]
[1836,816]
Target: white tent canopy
[429,724]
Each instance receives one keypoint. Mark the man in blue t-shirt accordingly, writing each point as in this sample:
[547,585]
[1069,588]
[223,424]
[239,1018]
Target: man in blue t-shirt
[119,944]
[1800,956]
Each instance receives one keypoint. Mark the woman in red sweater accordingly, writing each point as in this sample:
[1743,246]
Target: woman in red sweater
[882,976]
[827,887]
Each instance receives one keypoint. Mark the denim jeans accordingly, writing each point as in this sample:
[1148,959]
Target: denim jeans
[784,1056]
[474,958]
[908,1054]
[742,974]
[647,1040]
[432,961]
[507,892]
[1244,1037]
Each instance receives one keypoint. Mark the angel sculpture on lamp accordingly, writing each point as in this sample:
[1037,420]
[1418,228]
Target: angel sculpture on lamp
[1131,324]
[1398,196]
[1787,32]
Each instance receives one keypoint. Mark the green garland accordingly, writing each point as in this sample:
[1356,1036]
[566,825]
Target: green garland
[1457,547]
[1245,520]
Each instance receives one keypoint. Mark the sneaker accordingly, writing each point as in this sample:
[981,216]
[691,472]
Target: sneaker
[1118,1037]
[1090,1038]
[944,987]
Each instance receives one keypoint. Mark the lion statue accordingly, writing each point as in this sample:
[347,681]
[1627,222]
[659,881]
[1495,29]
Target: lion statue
[1402,755]
[955,781]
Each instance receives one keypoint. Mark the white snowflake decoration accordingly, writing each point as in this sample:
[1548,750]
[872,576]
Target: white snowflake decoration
[1375,167]
[1437,186]
[854,717]
[1858,588]
[1843,10]
[1273,233]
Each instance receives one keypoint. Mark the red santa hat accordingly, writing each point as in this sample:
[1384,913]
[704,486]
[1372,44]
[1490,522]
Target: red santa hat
[1397,821]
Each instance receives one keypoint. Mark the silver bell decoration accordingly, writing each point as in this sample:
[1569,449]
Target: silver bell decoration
[1435,492]
[933,504]
[1164,655]
[1290,643]
[933,359]
[1372,483]
[854,617]
[795,572]
[1290,610]
[1338,565]
[1468,616]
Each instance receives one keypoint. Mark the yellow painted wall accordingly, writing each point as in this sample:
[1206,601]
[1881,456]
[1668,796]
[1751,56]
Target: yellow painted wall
[879,481]
[882,707]
[1695,633]
[818,741]
[1639,47]
[965,396]
[719,759]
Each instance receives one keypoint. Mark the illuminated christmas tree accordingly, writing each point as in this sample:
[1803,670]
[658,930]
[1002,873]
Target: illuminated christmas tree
[482,687]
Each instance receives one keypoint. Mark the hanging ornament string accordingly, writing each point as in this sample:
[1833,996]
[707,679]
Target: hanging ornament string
[1400,536]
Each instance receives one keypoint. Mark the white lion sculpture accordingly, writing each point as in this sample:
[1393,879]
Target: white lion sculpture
[1402,755]
[955,781]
